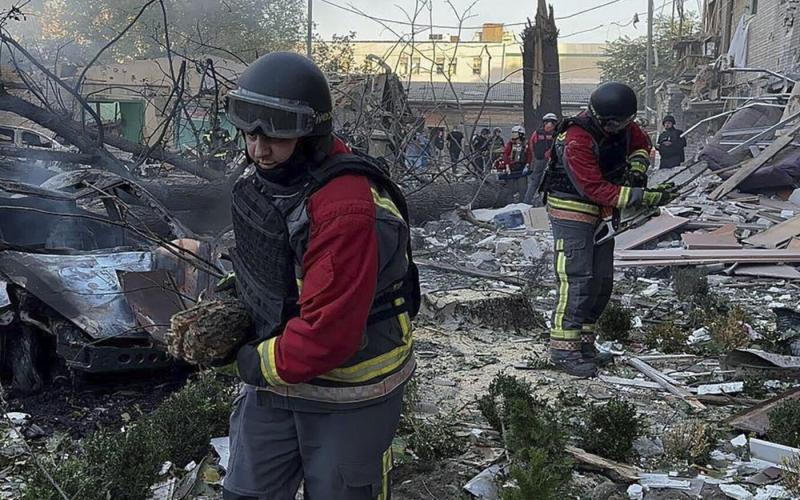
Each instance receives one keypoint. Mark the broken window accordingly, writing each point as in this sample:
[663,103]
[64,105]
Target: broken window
[440,65]
[402,66]
[31,139]
[7,135]
[477,65]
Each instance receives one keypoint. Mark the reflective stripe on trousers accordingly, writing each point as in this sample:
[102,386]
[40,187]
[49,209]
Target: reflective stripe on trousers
[585,275]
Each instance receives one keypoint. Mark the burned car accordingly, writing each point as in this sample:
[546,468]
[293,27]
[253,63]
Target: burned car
[83,284]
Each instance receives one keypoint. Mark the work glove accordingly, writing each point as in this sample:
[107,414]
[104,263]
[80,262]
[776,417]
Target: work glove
[665,186]
[658,197]
[209,333]
[635,178]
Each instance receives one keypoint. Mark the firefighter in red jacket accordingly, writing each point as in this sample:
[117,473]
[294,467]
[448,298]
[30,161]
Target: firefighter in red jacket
[599,166]
[323,265]
[540,144]
[513,165]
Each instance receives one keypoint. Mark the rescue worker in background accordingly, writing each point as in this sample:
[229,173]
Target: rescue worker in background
[323,264]
[515,160]
[455,138]
[496,145]
[599,166]
[540,144]
[217,142]
[480,150]
[670,144]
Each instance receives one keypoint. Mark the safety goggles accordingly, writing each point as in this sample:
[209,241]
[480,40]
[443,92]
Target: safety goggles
[614,124]
[272,116]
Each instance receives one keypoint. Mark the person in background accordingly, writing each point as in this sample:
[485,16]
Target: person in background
[496,145]
[513,164]
[670,144]
[540,144]
[454,146]
[480,148]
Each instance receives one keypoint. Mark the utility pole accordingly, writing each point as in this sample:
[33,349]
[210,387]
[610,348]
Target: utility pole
[310,29]
[648,90]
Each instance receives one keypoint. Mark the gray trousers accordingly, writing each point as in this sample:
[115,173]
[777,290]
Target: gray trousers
[585,275]
[516,186]
[532,194]
[340,455]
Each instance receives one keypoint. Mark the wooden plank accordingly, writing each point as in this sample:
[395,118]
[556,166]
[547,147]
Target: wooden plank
[777,234]
[756,419]
[723,237]
[768,271]
[662,379]
[735,255]
[650,230]
[774,453]
[750,166]
[622,473]
[631,382]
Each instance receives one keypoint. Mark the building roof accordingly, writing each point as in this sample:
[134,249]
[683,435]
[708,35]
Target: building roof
[575,94]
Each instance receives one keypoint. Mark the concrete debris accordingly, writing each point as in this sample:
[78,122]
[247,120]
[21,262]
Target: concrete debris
[736,492]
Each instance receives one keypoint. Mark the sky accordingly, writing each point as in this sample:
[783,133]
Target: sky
[595,26]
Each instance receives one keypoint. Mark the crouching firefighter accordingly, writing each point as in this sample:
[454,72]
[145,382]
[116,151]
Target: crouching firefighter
[598,166]
[323,264]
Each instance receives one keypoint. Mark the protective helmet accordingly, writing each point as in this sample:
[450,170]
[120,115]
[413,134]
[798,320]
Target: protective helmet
[284,95]
[497,129]
[519,129]
[668,118]
[485,131]
[550,117]
[613,106]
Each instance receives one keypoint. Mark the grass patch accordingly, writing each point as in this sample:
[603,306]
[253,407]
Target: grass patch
[667,337]
[690,441]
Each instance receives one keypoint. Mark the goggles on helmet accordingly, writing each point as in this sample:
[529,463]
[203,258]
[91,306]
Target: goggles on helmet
[273,116]
[614,124]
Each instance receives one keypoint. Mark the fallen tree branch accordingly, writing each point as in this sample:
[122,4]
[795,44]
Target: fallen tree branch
[48,155]
[616,471]
[441,266]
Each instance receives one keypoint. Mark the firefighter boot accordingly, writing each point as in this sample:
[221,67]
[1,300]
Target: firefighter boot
[573,363]
[589,351]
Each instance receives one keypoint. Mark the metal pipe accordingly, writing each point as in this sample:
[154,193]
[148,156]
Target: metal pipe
[762,70]
[648,89]
[726,113]
[310,29]
[763,132]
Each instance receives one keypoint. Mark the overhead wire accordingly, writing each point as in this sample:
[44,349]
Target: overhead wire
[424,27]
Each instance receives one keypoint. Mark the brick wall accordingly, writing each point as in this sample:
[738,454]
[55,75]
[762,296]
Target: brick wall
[774,38]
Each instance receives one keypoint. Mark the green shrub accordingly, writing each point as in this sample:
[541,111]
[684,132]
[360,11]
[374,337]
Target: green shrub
[124,464]
[610,430]
[690,441]
[615,322]
[689,283]
[534,436]
[667,337]
[784,423]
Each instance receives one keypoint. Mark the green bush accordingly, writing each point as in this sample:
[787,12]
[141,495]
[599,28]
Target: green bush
[610,430]
[667,337]
[534,436]
[689,283]
[784,423]
[124,464]
[615,322]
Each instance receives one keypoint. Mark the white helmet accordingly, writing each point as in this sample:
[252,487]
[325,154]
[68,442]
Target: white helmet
[518,129]
[550,117]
